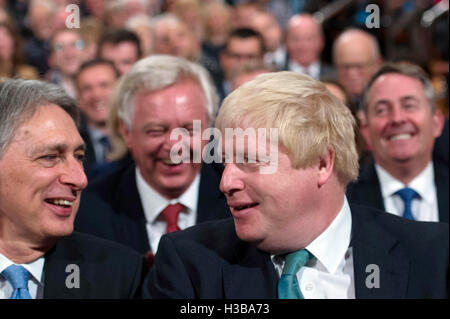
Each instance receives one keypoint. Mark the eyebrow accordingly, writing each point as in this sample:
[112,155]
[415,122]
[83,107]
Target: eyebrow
[408,98]
[402,99]
[60,147]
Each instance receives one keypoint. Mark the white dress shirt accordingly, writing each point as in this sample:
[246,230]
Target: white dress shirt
[329,275]
[276,58]
[35,283]
[313,70]
[423,208]
[154,203]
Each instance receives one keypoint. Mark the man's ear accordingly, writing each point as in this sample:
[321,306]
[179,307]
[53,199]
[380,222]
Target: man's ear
[326,166]
[364,129]
[438,122]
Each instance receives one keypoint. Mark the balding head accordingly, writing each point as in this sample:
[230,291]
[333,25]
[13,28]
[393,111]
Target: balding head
[357,57]
[304,40]
[267,25]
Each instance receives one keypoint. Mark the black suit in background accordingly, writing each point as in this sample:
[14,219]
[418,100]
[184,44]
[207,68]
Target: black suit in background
[107,270]
[441,146]
[367,190]
[111,207]
[89,159]
[210,261]
[327,71]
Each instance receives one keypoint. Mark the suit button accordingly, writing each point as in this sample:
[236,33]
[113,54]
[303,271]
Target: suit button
[309,287]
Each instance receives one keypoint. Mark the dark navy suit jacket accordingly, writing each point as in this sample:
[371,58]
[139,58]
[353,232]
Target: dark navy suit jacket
[367,190]
[210,261]
[111,207]
[106,270]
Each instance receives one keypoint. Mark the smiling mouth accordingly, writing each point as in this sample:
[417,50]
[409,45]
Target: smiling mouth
[246,206]
[400,137]
[60,202]
[170,163]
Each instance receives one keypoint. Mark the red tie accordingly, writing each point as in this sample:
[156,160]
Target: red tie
[170,215]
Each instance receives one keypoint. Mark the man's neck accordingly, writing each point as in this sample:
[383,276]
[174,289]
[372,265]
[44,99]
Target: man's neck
[99,126]
[22,252]
[304,65]
[406,171]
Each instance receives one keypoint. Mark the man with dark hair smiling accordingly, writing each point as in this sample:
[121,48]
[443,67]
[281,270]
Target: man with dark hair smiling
[401,126]
[95,83]
[120,46]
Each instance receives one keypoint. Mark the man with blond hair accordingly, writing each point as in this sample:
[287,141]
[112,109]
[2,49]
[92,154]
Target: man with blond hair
[293,233]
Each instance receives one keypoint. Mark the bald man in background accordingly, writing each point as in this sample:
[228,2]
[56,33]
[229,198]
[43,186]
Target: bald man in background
[304,43]
[357,57]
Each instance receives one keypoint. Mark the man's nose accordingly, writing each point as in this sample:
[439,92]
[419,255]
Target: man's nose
[231,181]
[73,174]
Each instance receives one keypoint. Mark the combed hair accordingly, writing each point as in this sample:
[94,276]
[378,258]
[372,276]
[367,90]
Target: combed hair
[404,68]
[19,100]
[157,72]
[117,36]
[310,120]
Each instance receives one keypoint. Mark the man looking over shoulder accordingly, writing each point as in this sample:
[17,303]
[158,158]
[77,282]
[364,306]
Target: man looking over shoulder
[293,233]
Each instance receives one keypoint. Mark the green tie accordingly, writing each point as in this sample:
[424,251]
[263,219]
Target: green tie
[288,287]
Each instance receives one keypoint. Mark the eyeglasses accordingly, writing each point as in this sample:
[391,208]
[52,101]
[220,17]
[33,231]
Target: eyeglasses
[79,45]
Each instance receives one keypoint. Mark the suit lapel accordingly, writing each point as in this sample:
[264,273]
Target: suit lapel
[131,222]
[211,202]
[376,251]
[371,188]
[57,273]
[252,275]
[441,179]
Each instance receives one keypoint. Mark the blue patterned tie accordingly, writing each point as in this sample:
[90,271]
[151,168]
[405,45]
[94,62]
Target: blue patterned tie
[407,195]
[18,278]
[288,287]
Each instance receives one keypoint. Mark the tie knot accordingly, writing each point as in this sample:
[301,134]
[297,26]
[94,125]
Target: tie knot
[17,276]
[295,261]
[170,215]
[104,140]
[407,194]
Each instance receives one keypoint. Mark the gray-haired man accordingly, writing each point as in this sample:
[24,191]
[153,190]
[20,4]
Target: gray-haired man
[138,203]
[41,179]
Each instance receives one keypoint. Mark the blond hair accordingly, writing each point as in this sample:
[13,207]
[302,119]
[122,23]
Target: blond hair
[310,120]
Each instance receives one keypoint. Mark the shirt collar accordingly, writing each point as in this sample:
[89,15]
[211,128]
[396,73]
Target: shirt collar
[95,133]
[313,70]
[330,247]
[35,268]
[153,202]
[423,183]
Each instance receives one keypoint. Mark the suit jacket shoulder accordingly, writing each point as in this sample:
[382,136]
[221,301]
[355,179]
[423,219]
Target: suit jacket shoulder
[367,190]
[83,266]
[210,261]
[411,257]
[111,206]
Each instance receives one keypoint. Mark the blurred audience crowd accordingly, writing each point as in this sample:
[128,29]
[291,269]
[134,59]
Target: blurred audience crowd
[341,42]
